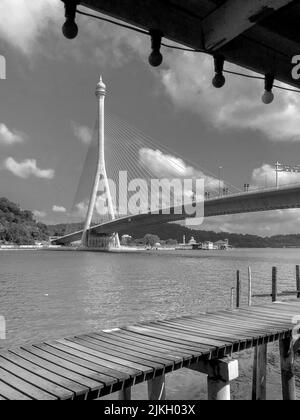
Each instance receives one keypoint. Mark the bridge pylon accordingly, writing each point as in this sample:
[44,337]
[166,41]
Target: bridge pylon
[100,170]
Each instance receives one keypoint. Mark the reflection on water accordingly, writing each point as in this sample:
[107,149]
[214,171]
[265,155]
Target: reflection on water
[47,295]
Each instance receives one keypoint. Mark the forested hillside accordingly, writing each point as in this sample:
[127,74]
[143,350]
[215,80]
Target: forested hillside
[18,226]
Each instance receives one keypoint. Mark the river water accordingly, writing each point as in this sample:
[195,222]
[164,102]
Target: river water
[45,295]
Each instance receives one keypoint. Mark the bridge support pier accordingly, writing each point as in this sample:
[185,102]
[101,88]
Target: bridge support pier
[220,373]
[125,394]
[157,389]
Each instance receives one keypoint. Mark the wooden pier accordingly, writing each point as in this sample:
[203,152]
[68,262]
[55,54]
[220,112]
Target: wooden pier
[98,364]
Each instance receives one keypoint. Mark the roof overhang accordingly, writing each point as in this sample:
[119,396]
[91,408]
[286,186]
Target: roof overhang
[260,35]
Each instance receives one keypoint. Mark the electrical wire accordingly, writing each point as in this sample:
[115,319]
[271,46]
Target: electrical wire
[123,25]
[175,47]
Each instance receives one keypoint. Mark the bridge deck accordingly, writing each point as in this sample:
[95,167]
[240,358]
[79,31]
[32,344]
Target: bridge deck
[97,364]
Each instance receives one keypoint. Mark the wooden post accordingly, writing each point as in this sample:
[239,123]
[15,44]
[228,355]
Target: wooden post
[274,284]
[125,394]
[259,385]
[249,287]
[232,299]
[298,280]
[287,360]
[157,388]
[238,289]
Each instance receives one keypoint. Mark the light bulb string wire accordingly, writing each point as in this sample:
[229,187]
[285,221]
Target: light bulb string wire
[174,47]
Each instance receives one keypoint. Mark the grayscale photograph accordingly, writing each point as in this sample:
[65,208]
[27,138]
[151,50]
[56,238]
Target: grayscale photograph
[149,202]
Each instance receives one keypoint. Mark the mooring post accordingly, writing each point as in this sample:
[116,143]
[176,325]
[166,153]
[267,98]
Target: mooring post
[125,394]
[249,287]
[232,299]
[287,361]
[157,388]
[259,385]
[298,280]
[238,289]
[274,284]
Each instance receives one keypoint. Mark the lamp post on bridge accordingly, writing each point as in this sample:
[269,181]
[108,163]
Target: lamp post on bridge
[219,170]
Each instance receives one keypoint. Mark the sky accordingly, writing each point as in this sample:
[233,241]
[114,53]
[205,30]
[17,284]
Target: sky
[48,110]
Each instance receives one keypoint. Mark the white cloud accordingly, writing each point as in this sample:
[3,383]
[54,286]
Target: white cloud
[23,21]
[185,76]
[80,209]
[29,25]
[265,176]
[164,165]
[59,209]
[27,168]
[9,137]
[83,133]
[268,223]
[39,214]
[236,106]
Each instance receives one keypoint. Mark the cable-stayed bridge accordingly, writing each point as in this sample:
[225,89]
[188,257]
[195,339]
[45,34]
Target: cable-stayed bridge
[130,180]
[253,201]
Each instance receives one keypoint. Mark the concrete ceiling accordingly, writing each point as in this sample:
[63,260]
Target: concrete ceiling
[260,35]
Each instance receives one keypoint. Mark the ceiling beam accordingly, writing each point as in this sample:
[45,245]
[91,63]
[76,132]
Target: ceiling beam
[176,25]
[234,17]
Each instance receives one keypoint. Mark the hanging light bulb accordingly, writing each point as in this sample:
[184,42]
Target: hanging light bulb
[219,79]
[156,58]
[268,96]
[70,28]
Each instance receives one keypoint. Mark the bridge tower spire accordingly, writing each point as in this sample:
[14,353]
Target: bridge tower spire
[101,169]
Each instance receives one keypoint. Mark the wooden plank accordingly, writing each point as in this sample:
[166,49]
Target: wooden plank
[141,352]
[76,351]
[9,393]
[82,366]
[48,375]
[240,342]
[104,357]
[36,380]
[143,346]
[158,342]
[189,345]
[207,334]
[25,387]
[117,347]
[72,374]
[239,331]
[269,319]
[208,327]
[120,352]
[256,320]
[261,317]
[173,332]
[242,315]
[203,331]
